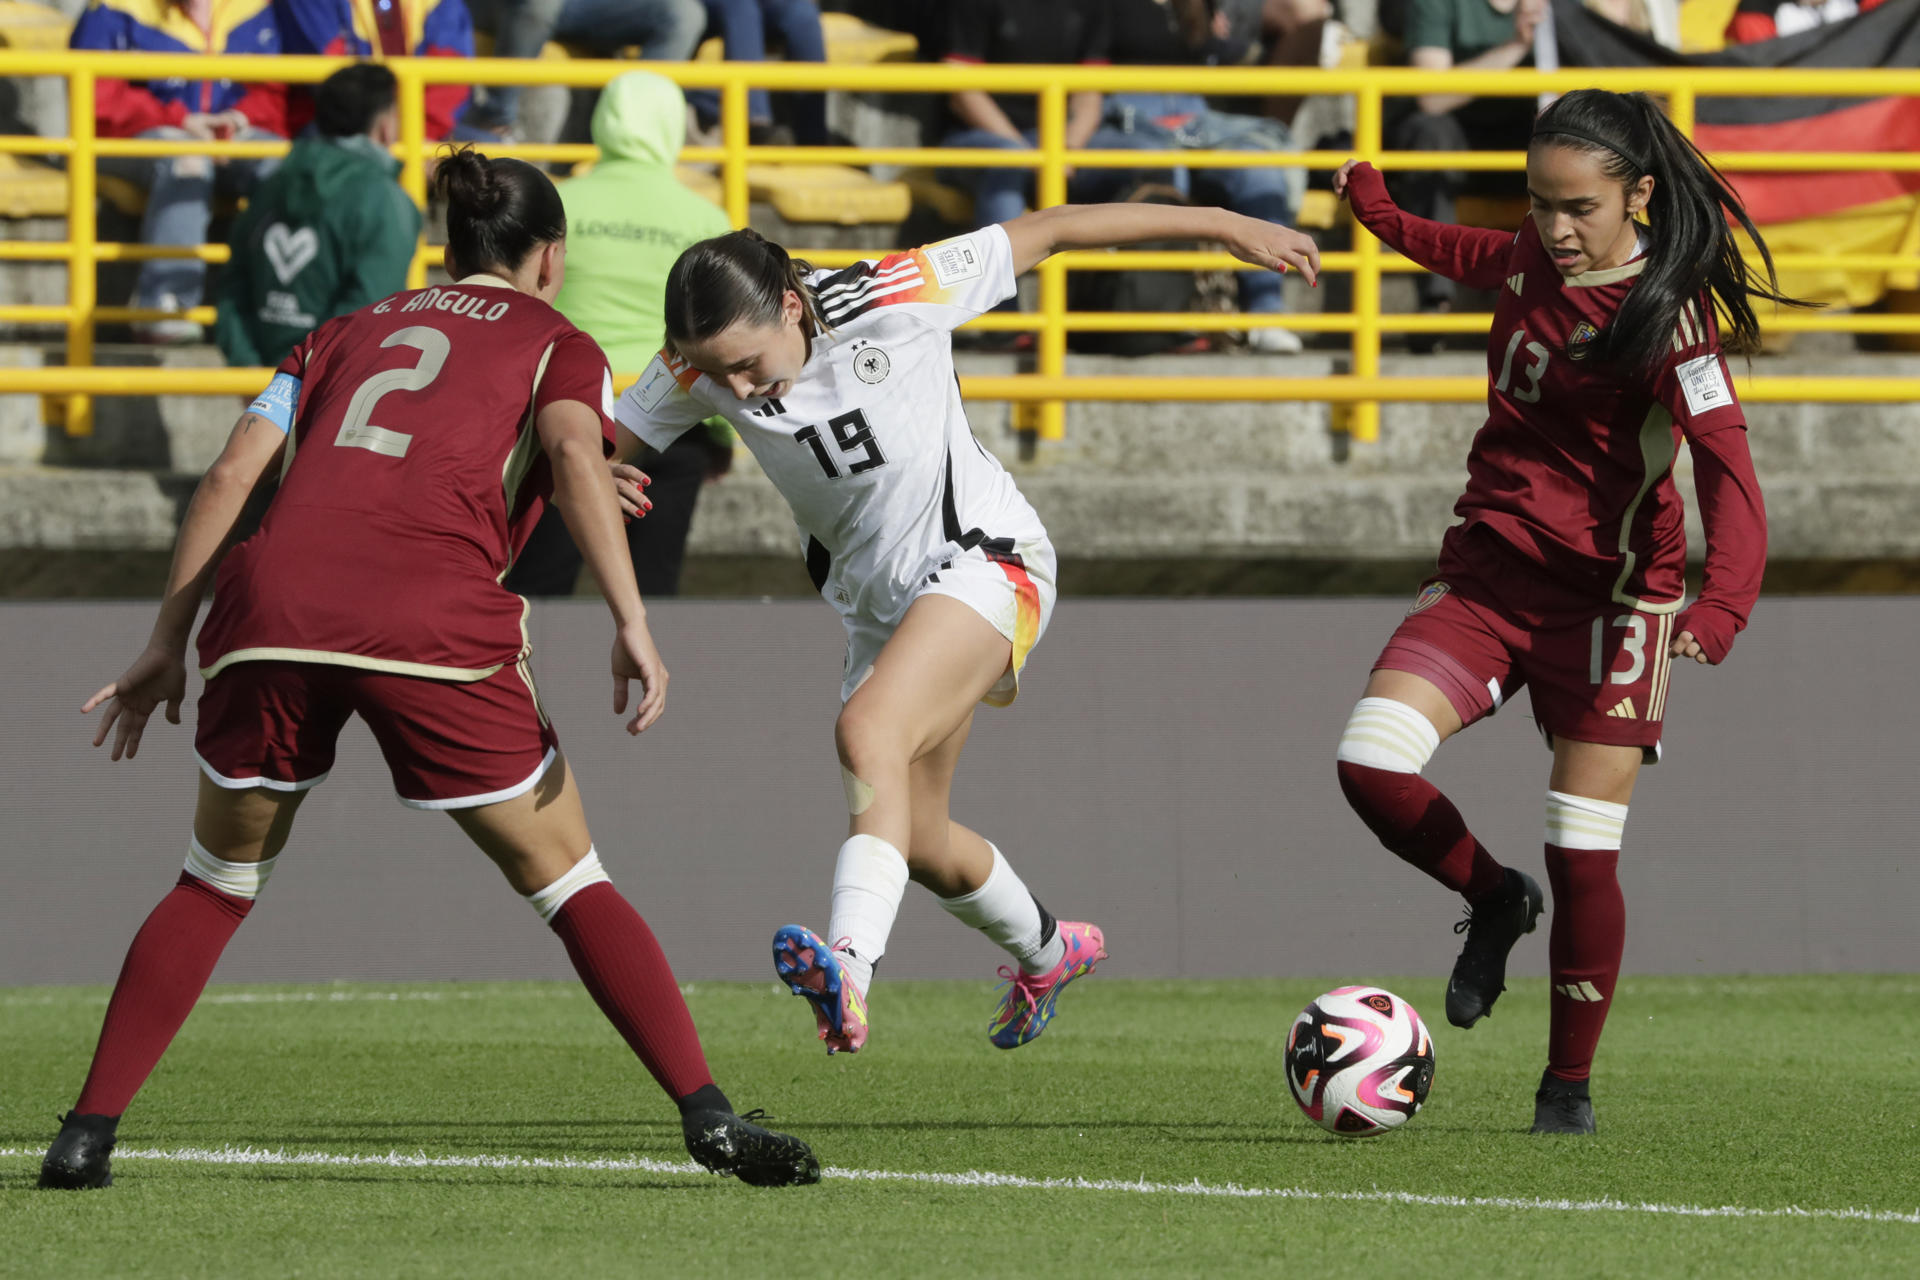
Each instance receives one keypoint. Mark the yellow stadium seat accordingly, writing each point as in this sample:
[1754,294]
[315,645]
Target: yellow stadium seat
[29,189]
[702,182]
[850,43]
[951,203]
[32,26]
[828,193]
[1319,210]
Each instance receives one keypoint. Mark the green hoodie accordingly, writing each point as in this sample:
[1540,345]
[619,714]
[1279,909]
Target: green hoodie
[329,232]
[629,218]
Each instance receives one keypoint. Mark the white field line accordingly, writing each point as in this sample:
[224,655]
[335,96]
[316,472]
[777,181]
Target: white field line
[560,992]
[994,1181]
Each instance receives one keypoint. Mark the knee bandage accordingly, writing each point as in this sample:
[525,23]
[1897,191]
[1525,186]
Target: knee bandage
[235,879]
[1575,822]
[1388,735]
[587,871]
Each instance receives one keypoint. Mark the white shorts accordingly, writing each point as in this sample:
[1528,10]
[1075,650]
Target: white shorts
[1014,590]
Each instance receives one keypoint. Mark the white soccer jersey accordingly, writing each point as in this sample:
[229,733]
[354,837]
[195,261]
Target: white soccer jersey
[871,447]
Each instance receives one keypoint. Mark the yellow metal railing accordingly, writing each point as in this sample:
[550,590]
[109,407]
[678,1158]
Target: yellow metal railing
[1046,390]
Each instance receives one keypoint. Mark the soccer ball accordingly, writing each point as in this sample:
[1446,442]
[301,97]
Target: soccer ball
[1359,1061]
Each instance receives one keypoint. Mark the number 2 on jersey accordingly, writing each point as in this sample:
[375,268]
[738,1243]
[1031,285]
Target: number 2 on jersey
[851,431]
[1529,394]
[357,430]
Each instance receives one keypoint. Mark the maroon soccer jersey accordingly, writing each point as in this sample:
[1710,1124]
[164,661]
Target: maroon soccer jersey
[1574,465]
[415,475]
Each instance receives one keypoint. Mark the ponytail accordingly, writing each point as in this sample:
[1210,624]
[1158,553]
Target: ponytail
[1693,251]
[498,211]
[740,277]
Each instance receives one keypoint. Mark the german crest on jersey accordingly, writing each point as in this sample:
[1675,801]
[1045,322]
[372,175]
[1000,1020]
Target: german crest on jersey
[1581,340]
[870,364]
[1429,596]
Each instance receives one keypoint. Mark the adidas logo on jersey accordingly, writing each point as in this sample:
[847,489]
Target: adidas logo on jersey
[1517,283]
[1624,710]
[1584,992]
[771,409]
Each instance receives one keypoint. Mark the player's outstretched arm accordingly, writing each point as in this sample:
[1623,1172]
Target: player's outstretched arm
[1039,235]
[159,674]
[583,489]
[1473,256]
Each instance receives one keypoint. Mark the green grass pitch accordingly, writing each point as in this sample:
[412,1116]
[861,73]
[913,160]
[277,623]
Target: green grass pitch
[1746,1096]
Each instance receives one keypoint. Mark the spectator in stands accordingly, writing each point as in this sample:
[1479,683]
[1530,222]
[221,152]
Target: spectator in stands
[1757,20]
[664,30]
[743,26]
[329,232]
[627,221]
[386,29]
[1479,35]
[180,189]
[1177,32]
[1061,32]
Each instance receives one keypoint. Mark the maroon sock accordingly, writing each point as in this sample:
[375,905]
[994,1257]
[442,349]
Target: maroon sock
[623,967]
[1418,824]
[166,968]
[1583,948]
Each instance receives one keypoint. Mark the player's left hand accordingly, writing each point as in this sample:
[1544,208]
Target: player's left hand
[629,482]
[1685,646]
[1278,248]
[156,676]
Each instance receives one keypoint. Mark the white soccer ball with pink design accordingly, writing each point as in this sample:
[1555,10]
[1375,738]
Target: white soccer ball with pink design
[1359,1061]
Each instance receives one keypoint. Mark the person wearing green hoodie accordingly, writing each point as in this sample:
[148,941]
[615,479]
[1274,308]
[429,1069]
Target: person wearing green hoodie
[330,232]
[628,219]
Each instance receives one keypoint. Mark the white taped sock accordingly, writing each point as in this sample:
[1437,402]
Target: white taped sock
[236,879]
[1388,735]
[1005,911]
[587,871]
[869,878]
[1575,822]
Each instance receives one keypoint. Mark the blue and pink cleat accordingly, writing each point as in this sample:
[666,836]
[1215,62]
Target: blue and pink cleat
[812,971]
[1026,1006]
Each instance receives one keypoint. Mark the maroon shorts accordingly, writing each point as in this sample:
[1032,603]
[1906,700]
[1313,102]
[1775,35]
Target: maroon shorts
[449,745]
[1491,622]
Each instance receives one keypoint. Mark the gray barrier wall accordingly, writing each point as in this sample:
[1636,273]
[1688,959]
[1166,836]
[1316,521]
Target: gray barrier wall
[1167,773]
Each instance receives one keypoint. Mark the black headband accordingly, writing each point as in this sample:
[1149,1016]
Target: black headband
[1541,131]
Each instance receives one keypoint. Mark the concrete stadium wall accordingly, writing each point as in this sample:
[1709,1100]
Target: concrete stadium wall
[1167,773]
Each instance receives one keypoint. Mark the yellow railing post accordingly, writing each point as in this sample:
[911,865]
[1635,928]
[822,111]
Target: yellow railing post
[1364,421]
[1050,190]
[413,147]
[83,282]
[733,136]
[1680,108]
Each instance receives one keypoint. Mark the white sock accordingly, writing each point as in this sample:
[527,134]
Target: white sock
[235,879]
[1576,822]
[549,900]
[868,880]
[1004,911]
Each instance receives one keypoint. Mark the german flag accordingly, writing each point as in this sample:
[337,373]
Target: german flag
[1886,36]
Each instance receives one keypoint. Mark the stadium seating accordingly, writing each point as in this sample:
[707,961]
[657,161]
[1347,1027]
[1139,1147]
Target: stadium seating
[32,26]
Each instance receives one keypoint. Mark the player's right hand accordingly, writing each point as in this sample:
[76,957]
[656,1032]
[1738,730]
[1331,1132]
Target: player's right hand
[629,483]
[1340,179]
[156,676]
[635,658]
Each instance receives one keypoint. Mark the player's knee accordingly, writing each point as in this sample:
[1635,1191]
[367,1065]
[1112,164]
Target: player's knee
[1387,735]
[240,881]
[866,742]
